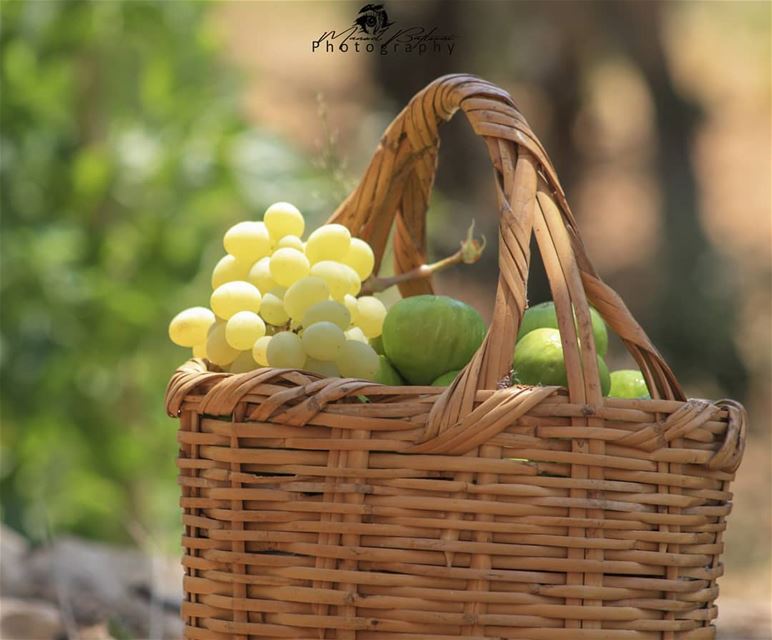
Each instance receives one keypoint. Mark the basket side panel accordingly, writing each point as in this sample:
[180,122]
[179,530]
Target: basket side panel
[333,530]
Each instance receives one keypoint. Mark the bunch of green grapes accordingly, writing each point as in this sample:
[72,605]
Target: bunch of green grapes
[283,302]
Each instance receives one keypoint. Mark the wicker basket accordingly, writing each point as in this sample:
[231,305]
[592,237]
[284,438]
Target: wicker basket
[310,514]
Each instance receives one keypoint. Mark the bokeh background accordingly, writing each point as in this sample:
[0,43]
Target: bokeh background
[134,133]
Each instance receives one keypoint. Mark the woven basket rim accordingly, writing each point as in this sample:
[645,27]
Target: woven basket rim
[215,394]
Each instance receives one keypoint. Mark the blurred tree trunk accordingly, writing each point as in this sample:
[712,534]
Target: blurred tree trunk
[693,324]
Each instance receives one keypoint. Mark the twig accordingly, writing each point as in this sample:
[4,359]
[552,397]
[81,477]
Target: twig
[469,252]
[330,159]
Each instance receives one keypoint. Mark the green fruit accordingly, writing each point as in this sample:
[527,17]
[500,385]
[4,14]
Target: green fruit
[387,374]
[426,336]
[544,316]
[446,378]
[628,383]
[377,344]
[605,379]
[539,360]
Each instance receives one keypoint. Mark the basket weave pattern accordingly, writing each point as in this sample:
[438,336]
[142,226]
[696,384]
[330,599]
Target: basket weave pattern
[470,512]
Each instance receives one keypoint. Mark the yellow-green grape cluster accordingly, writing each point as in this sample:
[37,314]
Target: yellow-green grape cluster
[281,302]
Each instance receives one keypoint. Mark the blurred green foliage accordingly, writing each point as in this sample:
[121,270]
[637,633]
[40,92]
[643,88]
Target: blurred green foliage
[124,158]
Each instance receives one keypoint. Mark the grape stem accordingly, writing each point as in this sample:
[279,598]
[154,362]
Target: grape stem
[469,252]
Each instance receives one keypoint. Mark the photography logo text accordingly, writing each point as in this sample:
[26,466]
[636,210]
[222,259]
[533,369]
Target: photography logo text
[373,32]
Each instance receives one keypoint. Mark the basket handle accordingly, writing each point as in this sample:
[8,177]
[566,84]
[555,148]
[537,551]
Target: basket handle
[395,191]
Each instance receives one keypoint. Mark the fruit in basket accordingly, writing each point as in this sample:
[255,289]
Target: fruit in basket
[605,378]
[544,316]
[350,302]
[358,360]
[355,333]
[324,368]
[323,341]
[279,301]
[244,362]
[232,297]
[243,329]
[360,258]
[446,378]
[285,351]
[628,383]
[539,360]
[283,219]
[218,350]
[247,241]
[272,307]
[377,344]
[303,294]
[369,316]
[229,269]
[328,242]
[189,327]
[258,274]
[199,350]
[291,242]
[341,279]
[426,336]
[387,374]
[288,265]
[260,351]
[328,311]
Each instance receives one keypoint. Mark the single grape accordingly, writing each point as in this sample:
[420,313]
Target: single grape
[370,315]
[218,350]
[323,340]
[189,327]
[328,242]
[303,294]
[291,242]
[355,284]
[248,241]
[283,219]
[355,333]
[229,269]
[360,258]
[232,297]
[243,363]
[260,275]
[323,368]
[288,266]
[243,329]
[330,311]
[350,302]
[199,350]
[285,350]
[339,277]
[259,350]
[272,308]
[358,360]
